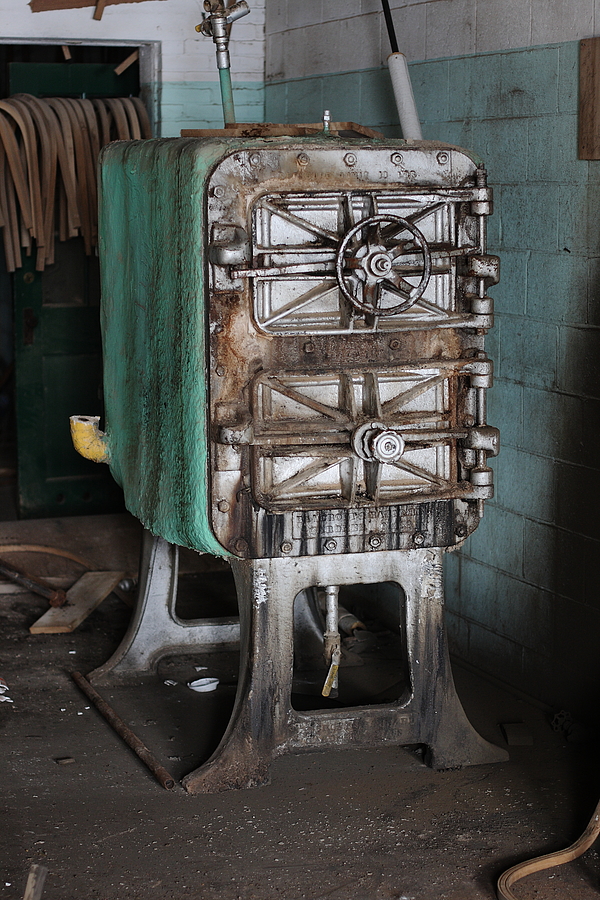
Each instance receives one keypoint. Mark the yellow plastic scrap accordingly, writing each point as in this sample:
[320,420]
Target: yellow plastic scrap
[88,440]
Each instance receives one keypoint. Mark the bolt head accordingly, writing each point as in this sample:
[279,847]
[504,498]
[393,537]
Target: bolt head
[350,159]
[303,159]
[380,264]
[386,446]
[223,506]
[418,538]
[286,547]
[331,545]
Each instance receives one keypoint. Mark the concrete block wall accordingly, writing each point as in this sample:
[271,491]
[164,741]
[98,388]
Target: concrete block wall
[500,77]
[184,77]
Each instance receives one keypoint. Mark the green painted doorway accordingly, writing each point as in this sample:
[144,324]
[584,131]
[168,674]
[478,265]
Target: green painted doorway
[58,352]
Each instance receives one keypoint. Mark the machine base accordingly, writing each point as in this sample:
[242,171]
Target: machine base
[155,630]
[264,725]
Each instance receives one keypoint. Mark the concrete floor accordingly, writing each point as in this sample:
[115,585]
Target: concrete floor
[366,825]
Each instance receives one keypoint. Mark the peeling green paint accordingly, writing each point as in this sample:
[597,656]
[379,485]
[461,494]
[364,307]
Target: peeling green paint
[153,320]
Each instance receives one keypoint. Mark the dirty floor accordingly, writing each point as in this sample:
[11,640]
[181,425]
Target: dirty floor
[365,825]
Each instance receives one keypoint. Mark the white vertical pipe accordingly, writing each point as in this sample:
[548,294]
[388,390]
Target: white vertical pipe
[405,100]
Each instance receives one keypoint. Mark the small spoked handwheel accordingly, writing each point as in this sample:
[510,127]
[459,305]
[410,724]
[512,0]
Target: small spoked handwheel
[375,259]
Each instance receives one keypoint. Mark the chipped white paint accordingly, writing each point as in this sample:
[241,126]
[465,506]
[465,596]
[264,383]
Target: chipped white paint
[260,587]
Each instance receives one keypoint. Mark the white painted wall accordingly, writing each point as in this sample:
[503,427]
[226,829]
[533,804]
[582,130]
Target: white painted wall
[313,37]
[185,57]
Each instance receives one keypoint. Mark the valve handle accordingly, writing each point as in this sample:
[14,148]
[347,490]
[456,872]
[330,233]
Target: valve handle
[373,258]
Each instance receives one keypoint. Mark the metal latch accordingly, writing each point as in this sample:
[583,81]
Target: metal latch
[484,266]
[376,442]
[484,437]
[230,246]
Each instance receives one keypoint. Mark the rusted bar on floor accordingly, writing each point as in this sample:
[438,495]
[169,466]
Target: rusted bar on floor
[36,585]
[159,772]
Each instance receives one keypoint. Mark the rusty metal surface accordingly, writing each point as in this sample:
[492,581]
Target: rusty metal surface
[264,725]
[347,367]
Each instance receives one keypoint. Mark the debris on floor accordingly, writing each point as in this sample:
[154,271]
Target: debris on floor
[4,698]
[367,824]
[81,599]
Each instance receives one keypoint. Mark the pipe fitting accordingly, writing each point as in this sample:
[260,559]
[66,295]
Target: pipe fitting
[88,440]
[405,100]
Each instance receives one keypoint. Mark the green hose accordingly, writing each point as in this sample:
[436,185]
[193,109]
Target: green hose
[227,96]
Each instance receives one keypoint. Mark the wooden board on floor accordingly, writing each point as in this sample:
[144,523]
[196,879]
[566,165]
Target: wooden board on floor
[85,595]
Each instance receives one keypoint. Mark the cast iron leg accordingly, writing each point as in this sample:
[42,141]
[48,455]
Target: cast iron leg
[155,630]
[264,725]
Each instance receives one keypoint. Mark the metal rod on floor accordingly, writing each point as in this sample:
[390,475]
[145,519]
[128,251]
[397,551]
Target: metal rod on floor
[35,882]
[56,597]
[118,725]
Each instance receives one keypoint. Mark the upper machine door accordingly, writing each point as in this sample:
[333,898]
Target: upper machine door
[355,260]
[347,359]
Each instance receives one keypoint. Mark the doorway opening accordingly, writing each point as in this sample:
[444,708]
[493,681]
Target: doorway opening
[50,346]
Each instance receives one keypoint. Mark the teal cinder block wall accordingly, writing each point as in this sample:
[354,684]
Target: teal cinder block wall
[197,104]
[522,595]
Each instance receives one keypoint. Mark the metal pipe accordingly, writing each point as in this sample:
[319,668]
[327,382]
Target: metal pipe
[118,725]
[331,609]
[405,100]
[217,25]
[332,646]
[36,585]
[227,96]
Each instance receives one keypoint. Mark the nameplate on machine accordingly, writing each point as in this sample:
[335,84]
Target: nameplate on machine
[340,522]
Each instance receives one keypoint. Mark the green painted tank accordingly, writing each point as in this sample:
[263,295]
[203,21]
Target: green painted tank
[151,240]
[293,341]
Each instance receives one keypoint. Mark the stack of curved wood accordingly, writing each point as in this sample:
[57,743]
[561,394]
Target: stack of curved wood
[48,154]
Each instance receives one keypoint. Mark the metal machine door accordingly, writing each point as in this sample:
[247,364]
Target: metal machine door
[347,329]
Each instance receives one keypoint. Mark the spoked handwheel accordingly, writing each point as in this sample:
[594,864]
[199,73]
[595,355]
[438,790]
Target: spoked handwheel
[375,260]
